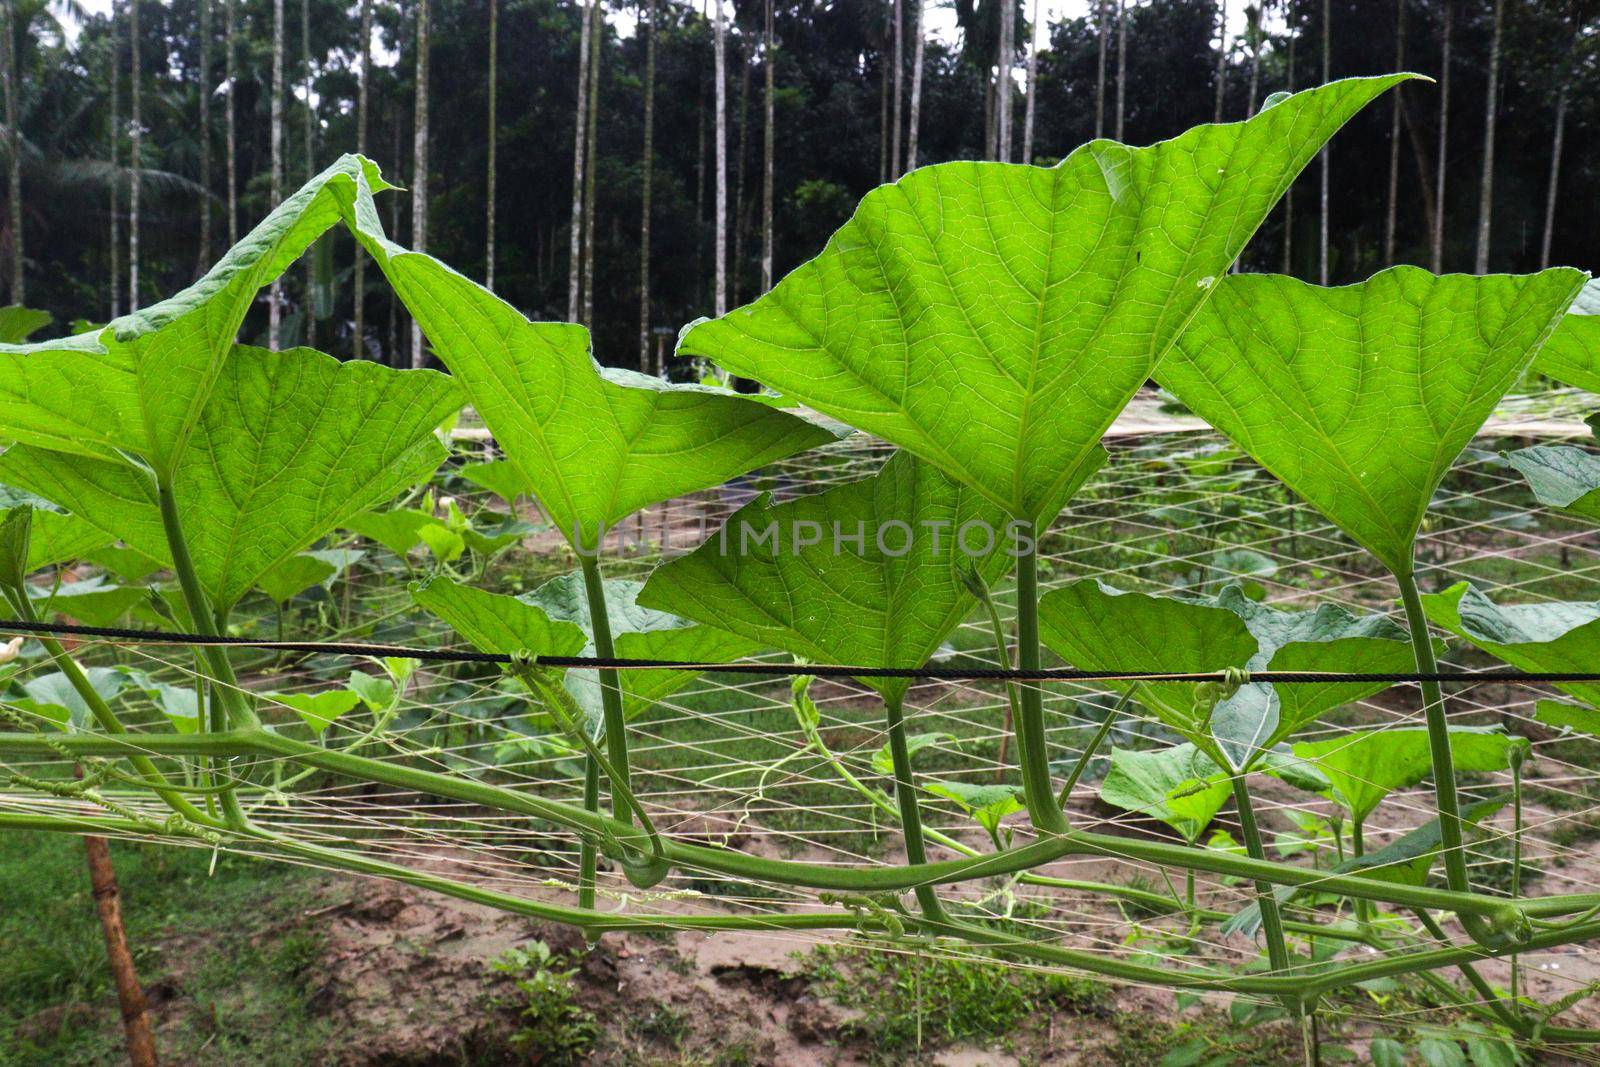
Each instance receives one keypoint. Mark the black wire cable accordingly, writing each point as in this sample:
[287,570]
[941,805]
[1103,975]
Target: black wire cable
[776,670]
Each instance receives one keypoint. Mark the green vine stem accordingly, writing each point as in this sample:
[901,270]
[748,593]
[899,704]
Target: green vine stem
[103,713]
[1271,917]
[1518,754]
[1032,748]
[979,588]
[1486,933]
[999,940]
[905,794]
[857,879]
[610,687]
[239,714]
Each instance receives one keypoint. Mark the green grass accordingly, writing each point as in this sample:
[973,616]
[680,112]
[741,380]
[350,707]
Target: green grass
[237,995]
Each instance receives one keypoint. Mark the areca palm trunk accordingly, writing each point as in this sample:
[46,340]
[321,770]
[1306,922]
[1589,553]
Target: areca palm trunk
[1002,83]
[135,155]
[1222,60]
[1389,219]
[1102,28]
[419,166]
[114,75]
[1033,81]
[1486,188]
[359,342]
[1288,193]
[493,133]
[1122,64]
[205,136]
[1327,163]
[914,120]
[310,313]
[648,167]
[591,135]
[275,294]
[579,151]
[1437,250]
[720,251]
[767,135]
[230,34]
[739,200]
[8,60]
[899,67]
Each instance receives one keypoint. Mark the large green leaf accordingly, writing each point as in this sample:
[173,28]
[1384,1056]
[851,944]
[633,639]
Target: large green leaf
[1561,476]
[1096,627]
[554,620]
[1572,355]
[594,444]
[1360,397]
[1555,636]
[1179,785]
[878,585]
[290,445]
[138,385]
[994,319]
[1366,766]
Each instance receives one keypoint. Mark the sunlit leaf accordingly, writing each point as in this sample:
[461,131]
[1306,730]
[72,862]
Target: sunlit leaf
[1360,397]
[594,444]
[18,323]
[1094,626]
[864,574]
[290,446]
[294,576]
[993,319]
[1365,766]
[1179,786]
[318,710]
[1552,636]
[1572,355]
[138,385]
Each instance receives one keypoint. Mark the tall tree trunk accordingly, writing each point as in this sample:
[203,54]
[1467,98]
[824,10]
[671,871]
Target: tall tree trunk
[1222,60]
[1122,64]
[700,191]
[649,173]
[1389,218]
[8,58]
[1437,251]
[1033,83]
[1002,82]
[720,252]
[419,166]
[1102,30]
[767,138]
[275,293]
[1288,193]
[1491,106]
[494,138]
[1419,154]
[1327,74]
[899,72]
[1555,148]
[114,75]
[596,37]
[883,118]
[205,137]
[135,156]
[579,152]
[130,995]
[915,119]
[739,200]
[1254,15]
[230,35]
[362,103]
[309,314]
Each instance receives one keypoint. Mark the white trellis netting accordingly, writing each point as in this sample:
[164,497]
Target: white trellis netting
[724,760]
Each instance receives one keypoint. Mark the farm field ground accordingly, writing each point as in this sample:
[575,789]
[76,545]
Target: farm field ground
[253,961]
